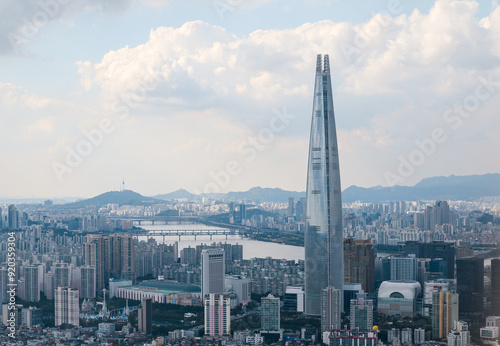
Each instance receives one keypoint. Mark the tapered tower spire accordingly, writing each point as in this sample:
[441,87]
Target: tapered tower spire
[324,234]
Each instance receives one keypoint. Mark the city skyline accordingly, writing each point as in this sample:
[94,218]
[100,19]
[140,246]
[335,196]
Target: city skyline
[417,83]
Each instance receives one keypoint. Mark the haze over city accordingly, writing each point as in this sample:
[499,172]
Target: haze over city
[168,95]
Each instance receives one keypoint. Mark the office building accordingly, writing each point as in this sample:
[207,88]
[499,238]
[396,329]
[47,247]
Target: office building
[212,271]
[294,299]
[237,252]
[145,316]
[217,315]
[441,254]
[351,291]
[331,308]
[67,308]
[492,329]
[359,263]
[270,317]
[361,314]
[495,287]
[291,205]
[4,281]
[31,317]
[470,285]
[445,310]
[404,268]
[240,286]
[31,288]
[324,239]
[13,216]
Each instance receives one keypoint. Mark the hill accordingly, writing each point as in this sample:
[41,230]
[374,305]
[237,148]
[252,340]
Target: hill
[126,197]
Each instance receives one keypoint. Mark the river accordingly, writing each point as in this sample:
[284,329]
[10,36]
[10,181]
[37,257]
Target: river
[251,248]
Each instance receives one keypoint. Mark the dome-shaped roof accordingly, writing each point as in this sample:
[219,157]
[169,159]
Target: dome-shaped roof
[399,289]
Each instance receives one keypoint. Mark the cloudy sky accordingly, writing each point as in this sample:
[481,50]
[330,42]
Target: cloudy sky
[217,95]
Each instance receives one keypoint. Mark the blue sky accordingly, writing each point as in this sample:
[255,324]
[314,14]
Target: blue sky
[186,90]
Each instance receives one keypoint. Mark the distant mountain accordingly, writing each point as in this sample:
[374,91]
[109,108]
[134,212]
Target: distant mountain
[179,194]
[126,197]
[256,194]
[466,188]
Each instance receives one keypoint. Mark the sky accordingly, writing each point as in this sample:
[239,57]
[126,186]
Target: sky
[216,96]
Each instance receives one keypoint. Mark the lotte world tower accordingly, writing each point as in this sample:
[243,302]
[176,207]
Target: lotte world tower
[324,257]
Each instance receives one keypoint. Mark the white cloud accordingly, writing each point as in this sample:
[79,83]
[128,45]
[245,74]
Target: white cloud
[197,92]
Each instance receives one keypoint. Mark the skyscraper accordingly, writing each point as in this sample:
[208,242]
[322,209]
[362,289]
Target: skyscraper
[212,271]
[324,255]
[67,308]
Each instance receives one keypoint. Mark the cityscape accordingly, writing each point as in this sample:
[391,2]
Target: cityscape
[372,218]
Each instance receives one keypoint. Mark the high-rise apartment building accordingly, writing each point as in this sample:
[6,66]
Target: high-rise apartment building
[270,317]
[96,254]
[331,308]
[31,288]
[88,282]
[445,310]
[361,316]
[359,263]
[324,257]
[61,275]
[460,336]
[212,271]
[122,257]
[67,308]
[145,317]
[217,315]
[188,255]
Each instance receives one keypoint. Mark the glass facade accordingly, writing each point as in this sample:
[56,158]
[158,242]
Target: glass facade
[324,234]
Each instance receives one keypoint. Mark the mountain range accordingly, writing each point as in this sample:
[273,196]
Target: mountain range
[458,188]
[256,194]
[466,188]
